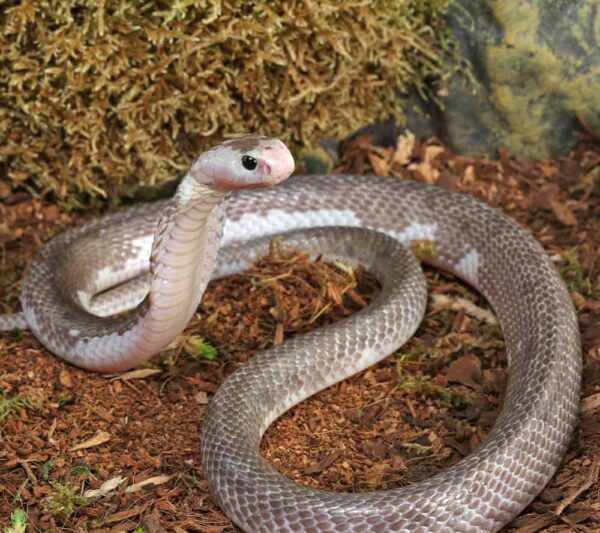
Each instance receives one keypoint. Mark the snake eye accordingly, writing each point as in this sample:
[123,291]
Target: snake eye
[248,162]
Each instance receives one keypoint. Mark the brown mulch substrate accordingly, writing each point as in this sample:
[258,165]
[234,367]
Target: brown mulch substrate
[82,452]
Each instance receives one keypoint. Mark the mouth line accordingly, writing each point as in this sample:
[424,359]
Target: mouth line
[268,181]
[228,185]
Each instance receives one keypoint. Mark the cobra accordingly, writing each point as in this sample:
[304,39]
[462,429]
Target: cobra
[110,293]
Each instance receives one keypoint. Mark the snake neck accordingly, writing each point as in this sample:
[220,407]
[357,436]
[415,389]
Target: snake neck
[185,247]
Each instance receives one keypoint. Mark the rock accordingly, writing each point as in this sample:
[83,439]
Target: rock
[537,68]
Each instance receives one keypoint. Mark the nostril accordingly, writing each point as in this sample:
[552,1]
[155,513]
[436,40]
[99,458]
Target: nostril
[267,169]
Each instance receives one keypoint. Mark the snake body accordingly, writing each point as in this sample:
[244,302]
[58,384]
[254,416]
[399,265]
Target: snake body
[489,251]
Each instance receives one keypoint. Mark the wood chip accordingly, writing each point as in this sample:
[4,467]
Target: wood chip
[123,515]
[151,524]
[65,379]
[535,523]
[324,463]
[201,397]
[591,403]
[278,338]
[591,478]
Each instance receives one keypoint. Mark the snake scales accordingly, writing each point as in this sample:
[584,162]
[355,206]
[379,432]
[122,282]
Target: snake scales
[88,274]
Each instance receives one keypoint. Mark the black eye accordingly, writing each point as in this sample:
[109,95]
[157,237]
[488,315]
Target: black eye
[249,162]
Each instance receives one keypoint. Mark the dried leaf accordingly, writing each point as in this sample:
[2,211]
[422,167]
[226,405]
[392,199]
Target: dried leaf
[108,486]
[140,373]
[432,151]
[466,370]
[562,212]
[99,438]
[551,197]
[441,301]
[428,173]
[381,165]
[51,431]
[151,524]
[147,483]
[404,149]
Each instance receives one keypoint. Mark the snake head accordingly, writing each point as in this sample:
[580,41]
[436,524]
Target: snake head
[246,162]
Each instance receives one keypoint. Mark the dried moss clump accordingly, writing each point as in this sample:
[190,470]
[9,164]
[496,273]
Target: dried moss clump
[99,96]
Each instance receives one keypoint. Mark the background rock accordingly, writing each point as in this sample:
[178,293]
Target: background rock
[536,65]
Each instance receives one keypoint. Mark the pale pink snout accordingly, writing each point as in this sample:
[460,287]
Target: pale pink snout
[278,164]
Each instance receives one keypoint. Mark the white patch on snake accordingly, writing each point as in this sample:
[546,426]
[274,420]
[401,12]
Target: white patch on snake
[226,269]
[74,332]
[416,231]
[111,276]
[144,245]
[31,320]
[468,266]
[274,221]
[83,299]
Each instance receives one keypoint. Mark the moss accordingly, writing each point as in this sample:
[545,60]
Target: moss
[575,277]
[11,405]
[442,396]
[101,97]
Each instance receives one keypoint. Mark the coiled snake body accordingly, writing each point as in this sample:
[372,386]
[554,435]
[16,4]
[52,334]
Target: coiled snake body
[481,492]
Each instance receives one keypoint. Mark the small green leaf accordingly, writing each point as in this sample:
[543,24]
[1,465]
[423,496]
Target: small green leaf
[63,500]
[198,347]
[65,400]
[18,522]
